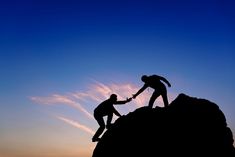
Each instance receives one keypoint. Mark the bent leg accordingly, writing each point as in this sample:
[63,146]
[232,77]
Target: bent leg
[109,120]
[100,130]
[153,98]
[165,99]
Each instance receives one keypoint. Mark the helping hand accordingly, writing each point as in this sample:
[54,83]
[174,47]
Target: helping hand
[128,99]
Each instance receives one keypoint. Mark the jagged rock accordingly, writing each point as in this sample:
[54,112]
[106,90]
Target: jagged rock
[187,127]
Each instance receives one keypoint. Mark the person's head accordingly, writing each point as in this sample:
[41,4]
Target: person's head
[144,78]
[113,97]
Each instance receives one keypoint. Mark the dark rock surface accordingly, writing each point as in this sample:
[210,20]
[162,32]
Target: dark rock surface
[187,127]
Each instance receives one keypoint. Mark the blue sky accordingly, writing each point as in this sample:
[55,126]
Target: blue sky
[61,58]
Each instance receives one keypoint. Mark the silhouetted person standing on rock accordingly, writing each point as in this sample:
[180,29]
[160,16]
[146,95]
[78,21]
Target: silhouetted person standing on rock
[106,108]
[154,81]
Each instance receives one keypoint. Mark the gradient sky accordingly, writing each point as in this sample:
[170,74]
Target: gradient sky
[60,59]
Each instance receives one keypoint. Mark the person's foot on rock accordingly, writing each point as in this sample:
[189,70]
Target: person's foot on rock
[95,139]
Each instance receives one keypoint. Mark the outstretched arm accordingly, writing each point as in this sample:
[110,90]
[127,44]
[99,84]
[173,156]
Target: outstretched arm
[123,102]
[140,91]
[165,80]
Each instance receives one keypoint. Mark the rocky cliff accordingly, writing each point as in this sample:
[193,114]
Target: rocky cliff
[187,127]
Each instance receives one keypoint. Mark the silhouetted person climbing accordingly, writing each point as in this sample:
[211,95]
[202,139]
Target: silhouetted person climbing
[154,81]
[106,108]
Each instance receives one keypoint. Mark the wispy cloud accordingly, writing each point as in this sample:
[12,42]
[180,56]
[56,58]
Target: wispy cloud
[76,124]
[98,92]
[53,99]
[61,99]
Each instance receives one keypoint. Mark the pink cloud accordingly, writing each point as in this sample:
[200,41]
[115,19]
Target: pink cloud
[61,99]
[76,124]
[98,92]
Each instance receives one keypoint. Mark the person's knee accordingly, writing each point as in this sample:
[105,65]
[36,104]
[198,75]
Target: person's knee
[102,126]
[97,115]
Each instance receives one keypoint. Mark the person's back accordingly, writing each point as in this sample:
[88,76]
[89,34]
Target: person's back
[104,108]
[154,81]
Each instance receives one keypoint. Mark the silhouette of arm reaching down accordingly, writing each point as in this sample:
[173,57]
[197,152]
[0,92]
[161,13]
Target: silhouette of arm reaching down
[116,113]
[165,80]
[110,117]
[140,91]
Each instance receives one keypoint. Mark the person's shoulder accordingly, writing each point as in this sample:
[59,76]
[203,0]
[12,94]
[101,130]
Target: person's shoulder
[105,101]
